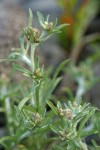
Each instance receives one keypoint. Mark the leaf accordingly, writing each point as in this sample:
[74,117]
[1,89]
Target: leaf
[52,107]
[21,69]
[46,37]
[30,17]
[3,139]
[48,18]
[95,145]
[40,18]
[61,26]
[58,105]
[14,55]
[55,22]
[21,40]
[56,147]
[56,31]
[54,128]
[23,101]
[83,122]
[60,67]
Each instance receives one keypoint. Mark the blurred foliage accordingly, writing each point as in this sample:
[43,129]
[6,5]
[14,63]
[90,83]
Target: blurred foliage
[79,14]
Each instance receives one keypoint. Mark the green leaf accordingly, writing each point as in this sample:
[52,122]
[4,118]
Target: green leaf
[56,31]
[58,105]
[46,37]
[30,17]
[61,26]
[52,107]
[60,67]
[97,147]
[14,56]
[54,128]
[55,22]
[83,122]
[3,140]
[21,69]
[56,147]
[40,18]
[48,18]
[23,101]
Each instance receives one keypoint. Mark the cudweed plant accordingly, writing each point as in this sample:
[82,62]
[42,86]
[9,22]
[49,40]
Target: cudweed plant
[29,122]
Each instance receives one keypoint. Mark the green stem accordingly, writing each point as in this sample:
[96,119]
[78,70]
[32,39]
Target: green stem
[27,46]
[21,40]
[33,47]
[37,98]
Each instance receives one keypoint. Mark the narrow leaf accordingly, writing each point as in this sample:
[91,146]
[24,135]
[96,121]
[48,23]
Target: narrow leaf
[23,101]
[52,107]
[30,17]
[84,121]
[61,26]
[60,67]
[21,69]
[55,22]
[95,145]
[56,147]
[14,55]
[54,128]
[40,18]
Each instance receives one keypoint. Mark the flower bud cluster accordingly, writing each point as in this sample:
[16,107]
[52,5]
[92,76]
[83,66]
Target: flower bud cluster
[32,119]
[62,134]
[33,35]
[65,113]
[48,26]
[37,74]
[36,118]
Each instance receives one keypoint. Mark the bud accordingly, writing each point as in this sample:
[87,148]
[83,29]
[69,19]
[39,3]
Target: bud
[61,112]
[48,26]
[75,104]
[37,74]
[33,35]
[35,117]
[62,135]
[68,114]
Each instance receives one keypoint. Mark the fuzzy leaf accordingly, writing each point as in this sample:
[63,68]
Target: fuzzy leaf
[83,122]
[52,107]
[55,22]
[56,147]
[21,69]
[40,18]
[14,56]
[54,128]
[60,67]
[23,101]
[30,17]
[97,147]
[61,26]
[3,140]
